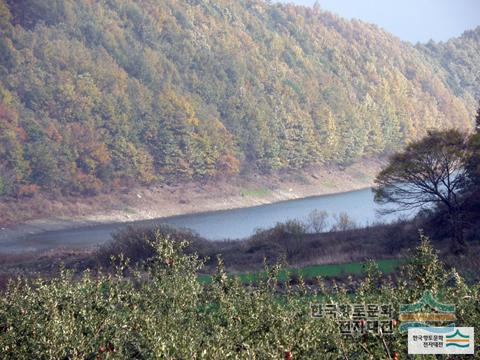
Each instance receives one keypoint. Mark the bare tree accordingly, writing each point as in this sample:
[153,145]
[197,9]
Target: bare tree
[428,172]
[343,222]
[317,220]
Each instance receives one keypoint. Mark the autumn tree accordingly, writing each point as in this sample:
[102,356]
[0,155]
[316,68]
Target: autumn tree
[14,170]
[473,163]
[429,172]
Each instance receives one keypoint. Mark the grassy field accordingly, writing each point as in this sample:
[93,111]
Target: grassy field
[386,266]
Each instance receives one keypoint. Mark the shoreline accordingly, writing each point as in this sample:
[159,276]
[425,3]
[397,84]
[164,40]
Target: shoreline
[194,198]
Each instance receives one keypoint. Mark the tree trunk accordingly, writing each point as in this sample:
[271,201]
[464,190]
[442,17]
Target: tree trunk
[458,242]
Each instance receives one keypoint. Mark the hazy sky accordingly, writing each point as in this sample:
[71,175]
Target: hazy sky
[412,20]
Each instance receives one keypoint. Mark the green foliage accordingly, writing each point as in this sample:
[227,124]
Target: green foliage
[160,310]
[425,268]
[125,92]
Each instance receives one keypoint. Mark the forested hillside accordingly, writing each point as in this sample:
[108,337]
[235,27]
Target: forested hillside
[460,57]
[95,95]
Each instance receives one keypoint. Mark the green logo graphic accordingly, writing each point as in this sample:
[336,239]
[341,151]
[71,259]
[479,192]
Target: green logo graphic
[426,309]
[458,340]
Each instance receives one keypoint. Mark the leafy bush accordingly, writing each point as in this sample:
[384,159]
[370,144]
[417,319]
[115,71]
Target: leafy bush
[161,310]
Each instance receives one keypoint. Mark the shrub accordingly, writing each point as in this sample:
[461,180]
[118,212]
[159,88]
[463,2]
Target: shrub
[137,244]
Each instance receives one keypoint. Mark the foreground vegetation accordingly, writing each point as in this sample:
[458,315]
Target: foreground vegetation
[160,310]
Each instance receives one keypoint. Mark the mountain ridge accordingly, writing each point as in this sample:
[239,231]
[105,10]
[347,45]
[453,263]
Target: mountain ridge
[97,96]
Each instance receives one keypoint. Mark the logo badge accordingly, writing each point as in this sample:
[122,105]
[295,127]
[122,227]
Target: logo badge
[441,340]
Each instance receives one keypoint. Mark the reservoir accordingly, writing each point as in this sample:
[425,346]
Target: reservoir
[217,225]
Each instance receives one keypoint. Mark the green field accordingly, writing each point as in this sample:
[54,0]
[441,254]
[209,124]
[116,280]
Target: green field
[329,270]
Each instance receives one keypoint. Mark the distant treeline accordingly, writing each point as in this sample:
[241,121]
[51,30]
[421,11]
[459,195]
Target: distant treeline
[104,94]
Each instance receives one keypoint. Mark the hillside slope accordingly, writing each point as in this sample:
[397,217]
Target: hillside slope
[460,59]
[96,95]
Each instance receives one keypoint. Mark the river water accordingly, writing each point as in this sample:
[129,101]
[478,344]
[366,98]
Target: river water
[225,224]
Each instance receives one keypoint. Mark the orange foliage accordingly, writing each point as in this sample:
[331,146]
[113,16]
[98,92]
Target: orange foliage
[7,115]
[53,133]
[117,184]
[21,134]
[27,190]
[100,153]
[88,184]
[228,164]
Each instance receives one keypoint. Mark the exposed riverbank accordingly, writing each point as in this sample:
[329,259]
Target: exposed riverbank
[42,214]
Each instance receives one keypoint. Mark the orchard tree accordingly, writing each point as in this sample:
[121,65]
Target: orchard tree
[429,172]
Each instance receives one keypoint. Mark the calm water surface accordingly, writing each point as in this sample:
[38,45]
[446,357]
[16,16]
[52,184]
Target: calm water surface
[225,224]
